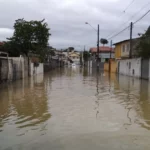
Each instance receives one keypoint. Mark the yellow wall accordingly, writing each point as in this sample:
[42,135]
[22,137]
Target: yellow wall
[118,51]
[113,66]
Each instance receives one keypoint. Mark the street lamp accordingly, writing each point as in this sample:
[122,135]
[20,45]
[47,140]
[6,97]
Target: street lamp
[90,26]
[97,41]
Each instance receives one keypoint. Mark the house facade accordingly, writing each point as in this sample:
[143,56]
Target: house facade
[75,57]
[105,53]
[122,48]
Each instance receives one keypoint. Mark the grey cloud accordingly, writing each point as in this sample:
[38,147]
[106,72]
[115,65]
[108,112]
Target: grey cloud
[67,18]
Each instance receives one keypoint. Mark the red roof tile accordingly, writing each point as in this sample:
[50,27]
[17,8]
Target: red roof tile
[101,49]
[1,43]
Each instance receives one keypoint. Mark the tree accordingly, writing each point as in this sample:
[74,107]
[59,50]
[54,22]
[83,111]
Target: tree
[65,50]
[29,36]
[143,47]
[86,55]
[70,49]
[103,41]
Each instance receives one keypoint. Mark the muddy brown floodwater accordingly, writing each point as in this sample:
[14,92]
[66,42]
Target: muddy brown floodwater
[75,109]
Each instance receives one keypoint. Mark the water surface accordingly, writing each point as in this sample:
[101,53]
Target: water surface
[75,109]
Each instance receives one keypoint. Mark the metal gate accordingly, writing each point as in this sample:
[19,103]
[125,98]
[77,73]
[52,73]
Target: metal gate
[145,69]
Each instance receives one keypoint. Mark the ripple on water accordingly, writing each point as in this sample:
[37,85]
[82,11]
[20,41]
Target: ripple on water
[32,121]
[79,105]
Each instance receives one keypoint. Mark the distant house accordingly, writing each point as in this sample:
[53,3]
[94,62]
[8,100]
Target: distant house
[74,56]
[104,53]
[1,44]
[67,57]
[122,48]
[2,52]
[59,55]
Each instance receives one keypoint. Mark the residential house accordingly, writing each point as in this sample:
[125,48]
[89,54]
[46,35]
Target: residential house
[122,48]
[2,52]
[1,46]
[75,57]
[67,57]
[1,43]
[105,53]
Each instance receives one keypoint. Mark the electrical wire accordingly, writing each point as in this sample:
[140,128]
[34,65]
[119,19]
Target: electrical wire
[144,6]
[129,26]
[124,11]
[128,5]
[118,33]
[142,17]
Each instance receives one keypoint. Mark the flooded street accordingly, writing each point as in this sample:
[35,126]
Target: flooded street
[75,109]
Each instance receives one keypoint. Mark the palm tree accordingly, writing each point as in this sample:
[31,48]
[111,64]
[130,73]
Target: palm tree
[104,41]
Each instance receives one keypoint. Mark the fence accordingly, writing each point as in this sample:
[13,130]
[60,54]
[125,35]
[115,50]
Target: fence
[54,63]
[113,66]
[14,68]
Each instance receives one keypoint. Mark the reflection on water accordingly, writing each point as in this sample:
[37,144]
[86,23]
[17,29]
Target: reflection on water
[24,103]
[55,111]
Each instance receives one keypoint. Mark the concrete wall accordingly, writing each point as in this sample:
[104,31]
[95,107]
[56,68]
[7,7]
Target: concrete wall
[36,70]
[13,68]
[3,69]
[113,66]
[130,67]
[94,64]
[76,60]
[10,69]
[54,63]
[18,67]
[149,69]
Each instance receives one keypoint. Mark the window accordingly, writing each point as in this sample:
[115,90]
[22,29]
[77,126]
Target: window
[128,47]
[123,48]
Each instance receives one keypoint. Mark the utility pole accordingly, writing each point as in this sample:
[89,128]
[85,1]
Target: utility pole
[110,56]
[131,27]
[98,46]
[84,56]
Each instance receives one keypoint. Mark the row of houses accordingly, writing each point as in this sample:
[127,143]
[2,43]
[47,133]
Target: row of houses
[117,59]
[105,53]
[121,50]
[14,68]
[67,56]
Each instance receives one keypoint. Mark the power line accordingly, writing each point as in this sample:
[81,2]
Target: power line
[128,5]
[133,23]
[123,12]
[144,6]
[142,17]
[118,33]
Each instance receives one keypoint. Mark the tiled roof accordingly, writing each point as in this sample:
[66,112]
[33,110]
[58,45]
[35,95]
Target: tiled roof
[101,49]
[1,43]
[127,40]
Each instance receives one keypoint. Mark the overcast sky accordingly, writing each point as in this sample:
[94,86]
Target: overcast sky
[66,19]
